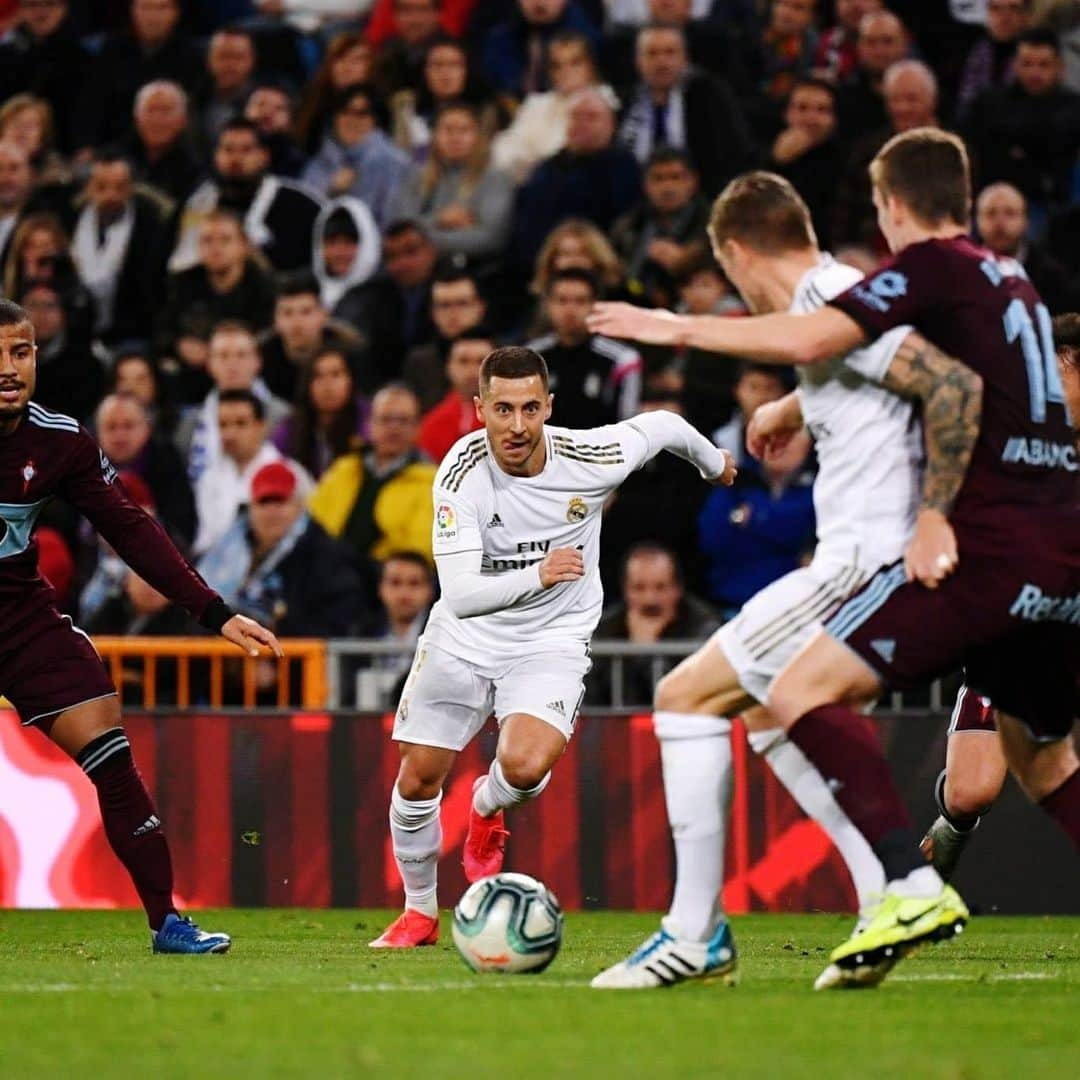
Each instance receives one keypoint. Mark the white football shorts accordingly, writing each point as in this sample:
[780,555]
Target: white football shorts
[777,622]
[446,700]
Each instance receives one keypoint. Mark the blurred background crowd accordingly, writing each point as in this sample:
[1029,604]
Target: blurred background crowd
[267,243]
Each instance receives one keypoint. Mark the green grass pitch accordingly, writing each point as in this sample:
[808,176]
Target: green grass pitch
[301,995]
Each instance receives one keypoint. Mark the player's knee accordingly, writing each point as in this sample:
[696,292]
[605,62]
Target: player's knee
[671,694]
[524,767]
[418,779]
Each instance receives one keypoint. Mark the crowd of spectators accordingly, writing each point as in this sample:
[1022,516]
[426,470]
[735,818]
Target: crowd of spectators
[265,245]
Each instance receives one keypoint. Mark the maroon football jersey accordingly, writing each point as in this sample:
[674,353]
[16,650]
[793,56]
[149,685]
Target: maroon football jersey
[49,455]
[1021,489]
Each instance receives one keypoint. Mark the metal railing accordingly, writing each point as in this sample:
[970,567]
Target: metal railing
[137,663]
[346,655]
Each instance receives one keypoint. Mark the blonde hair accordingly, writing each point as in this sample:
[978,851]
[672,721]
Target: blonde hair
[41,221]
[20,103]
[607,267]
[478,160]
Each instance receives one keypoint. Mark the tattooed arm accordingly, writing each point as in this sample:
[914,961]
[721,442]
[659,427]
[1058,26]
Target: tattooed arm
[951,397]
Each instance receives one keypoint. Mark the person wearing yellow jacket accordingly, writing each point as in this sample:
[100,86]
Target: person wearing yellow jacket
[377,498]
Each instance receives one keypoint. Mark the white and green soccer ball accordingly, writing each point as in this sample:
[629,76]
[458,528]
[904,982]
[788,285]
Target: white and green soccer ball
[508,923]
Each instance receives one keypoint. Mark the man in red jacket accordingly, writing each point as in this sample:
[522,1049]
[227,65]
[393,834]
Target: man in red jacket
[455,415]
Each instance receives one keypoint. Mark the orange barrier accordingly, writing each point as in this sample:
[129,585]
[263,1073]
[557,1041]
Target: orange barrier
[308,653]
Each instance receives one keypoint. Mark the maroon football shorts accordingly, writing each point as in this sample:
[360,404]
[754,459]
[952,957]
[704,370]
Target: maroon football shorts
[1012,626]
[54,668]
[972,712]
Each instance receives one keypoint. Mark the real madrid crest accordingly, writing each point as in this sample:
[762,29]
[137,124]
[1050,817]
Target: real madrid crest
[576,510]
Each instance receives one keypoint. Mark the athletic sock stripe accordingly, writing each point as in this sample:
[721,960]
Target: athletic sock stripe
[851,616]
[101,755]
[813,607]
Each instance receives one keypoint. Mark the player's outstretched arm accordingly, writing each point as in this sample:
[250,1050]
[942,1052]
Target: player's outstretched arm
[92,487]
[768,339]
[665,430]
[951,397]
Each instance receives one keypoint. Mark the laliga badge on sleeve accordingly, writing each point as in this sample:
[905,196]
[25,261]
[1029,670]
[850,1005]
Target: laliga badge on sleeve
[445,522]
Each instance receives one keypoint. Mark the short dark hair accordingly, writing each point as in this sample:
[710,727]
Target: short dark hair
[702,263]
[512,362]
[810,82]
[413,558]
[783,374]
[1067,337]
[650,548]
[401,226]
[242,123]
[929,170]
[573,273]
[670,155]
[11,314]
[1040,37]
[297,283]
[449,274]
[241,396]
[367,90]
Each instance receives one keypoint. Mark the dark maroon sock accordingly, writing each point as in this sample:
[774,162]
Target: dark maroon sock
[844,747]
[1063,805]
[131,822]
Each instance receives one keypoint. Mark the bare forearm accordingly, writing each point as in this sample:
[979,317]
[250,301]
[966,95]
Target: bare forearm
[769,339]
[951,396]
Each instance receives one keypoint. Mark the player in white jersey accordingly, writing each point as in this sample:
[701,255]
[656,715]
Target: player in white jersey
[865,498]
[517,545]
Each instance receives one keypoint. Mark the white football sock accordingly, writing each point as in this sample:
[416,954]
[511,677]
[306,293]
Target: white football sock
[496,794]
[811,791]
[697,790]
[416,832]
[923,883]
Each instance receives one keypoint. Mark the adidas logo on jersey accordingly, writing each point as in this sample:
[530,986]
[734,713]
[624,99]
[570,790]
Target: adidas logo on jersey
[496,522]
[557,706]
[886,649]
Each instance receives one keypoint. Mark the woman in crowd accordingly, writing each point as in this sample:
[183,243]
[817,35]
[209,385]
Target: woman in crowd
[463,201]
[27,121]
[134,374]
[578,245]
[40,253]
[329,415]
[348,61]
[357,157]
[448,76]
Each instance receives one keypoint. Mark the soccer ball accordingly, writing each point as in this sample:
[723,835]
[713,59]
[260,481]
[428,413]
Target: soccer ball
[508,923]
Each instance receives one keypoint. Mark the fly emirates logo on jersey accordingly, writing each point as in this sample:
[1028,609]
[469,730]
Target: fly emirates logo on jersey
[503,552]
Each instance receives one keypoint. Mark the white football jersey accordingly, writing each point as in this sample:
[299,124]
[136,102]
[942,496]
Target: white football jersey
[515,521]
[869,441]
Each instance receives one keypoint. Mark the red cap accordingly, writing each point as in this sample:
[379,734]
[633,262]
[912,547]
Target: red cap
[273,481]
